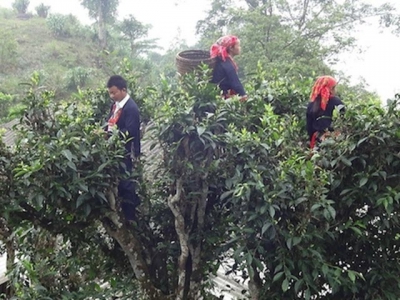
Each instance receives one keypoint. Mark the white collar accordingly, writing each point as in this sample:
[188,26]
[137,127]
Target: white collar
[122,103]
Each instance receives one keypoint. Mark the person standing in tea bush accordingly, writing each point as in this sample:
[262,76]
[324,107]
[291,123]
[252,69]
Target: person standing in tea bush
[323,102]
[124,116]
[225,71]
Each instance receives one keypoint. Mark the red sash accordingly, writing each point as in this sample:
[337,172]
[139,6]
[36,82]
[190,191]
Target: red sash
[114,117]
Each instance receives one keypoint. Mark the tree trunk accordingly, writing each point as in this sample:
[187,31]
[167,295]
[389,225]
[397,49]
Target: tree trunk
[255,283]
[132,247]
[102,28]
[195,250]
[180,227]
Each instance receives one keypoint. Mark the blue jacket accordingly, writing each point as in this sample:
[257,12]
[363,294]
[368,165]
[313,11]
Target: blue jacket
[225,75]
[321,120]
[129,124]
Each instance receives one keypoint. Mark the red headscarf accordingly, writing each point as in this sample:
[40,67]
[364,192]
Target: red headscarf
[220,47]
[323,86]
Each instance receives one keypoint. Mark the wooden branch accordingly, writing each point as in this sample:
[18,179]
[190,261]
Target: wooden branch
[303,16]
[180,227]
[132,247]
[196,246]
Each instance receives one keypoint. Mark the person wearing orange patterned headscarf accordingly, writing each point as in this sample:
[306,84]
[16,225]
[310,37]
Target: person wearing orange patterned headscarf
[323,101]
[225,71]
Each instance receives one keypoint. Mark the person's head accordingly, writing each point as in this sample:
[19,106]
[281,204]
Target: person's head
[117,88]
[225,46]
[324,88]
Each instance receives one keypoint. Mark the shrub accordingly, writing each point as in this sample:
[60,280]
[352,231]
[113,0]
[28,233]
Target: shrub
[42,10]
[21,6]
[5,103]
[57,24]
[6,13]
[77,77]
[63,25]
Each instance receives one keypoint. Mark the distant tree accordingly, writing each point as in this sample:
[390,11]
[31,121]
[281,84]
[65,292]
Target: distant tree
[135,33]
[42,10]
[291,36]
[104,12]
[63,25]
[21,6]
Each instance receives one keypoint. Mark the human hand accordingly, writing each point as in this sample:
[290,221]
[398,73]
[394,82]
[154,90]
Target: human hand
[243,98]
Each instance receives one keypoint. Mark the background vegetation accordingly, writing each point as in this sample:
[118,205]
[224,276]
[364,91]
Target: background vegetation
[220,181]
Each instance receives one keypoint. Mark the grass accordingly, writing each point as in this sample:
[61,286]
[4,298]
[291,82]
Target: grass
[28,45]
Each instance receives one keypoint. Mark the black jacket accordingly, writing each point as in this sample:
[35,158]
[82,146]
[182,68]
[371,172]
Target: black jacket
[225,75]
[322,120]
[129,124]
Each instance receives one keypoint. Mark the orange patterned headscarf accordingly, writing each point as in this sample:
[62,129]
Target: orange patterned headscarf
[323,86]
[220,47]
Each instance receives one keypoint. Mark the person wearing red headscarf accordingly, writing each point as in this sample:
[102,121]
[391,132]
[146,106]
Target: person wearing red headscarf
[323,101]
[225,71]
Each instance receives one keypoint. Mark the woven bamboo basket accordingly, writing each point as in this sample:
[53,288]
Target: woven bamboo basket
[188,60]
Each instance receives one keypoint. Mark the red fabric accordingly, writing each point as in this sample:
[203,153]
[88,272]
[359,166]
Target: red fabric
[313,140]
[230,94]
[220,47]
[114,117]
[323,86]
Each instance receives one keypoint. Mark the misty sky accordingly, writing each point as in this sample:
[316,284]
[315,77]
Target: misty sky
[378,63]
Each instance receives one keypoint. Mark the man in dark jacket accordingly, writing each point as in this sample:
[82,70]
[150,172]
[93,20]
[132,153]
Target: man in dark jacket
[124,115]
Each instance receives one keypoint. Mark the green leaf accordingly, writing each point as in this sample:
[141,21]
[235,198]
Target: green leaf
[67,154]
[72,166]
[87,209]
[332,212]
[352,276]
[363,181]
[315,207]
[289,243]
[272,211]
[345,191]
[307,294]
[200,130]
[248,230]
[278,268]
[346,161]
[278,276]
[102,197]
[263,209]
[325,269]
[83,187]
[102,166]
[362,141]
[300,200]
[265,227]
[356,230]
[296,240]
[249,258]
[226,195]
[39,200]
[298,285]
[285,285]
[80,200]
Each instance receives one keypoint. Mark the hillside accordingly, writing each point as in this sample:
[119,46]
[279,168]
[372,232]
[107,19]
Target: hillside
[66,55]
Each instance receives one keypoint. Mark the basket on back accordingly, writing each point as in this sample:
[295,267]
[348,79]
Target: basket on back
[188,60]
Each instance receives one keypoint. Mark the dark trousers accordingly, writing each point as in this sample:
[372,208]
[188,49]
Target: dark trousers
[126,191]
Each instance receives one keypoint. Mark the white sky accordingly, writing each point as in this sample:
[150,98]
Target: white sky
[378,63]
